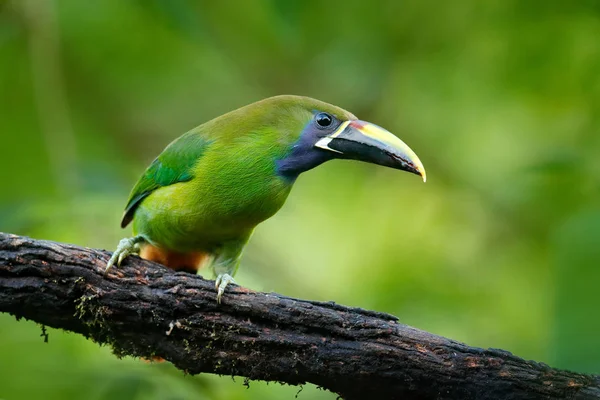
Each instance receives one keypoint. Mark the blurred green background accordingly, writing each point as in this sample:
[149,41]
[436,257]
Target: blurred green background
[500,99]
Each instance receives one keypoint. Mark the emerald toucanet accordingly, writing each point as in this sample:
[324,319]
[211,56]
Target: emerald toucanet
[201,198]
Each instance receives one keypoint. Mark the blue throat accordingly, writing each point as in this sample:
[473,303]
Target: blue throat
[303,156]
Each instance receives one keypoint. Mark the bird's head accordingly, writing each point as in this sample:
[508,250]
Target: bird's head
[315,132]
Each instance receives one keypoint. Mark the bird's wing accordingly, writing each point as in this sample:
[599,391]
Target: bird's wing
[175,164]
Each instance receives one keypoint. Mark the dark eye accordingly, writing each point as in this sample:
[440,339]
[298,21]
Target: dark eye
[323,119]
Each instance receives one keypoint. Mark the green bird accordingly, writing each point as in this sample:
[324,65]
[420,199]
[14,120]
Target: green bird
[201,198]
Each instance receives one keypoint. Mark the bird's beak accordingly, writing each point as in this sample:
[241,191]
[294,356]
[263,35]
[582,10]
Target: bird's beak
[364,141]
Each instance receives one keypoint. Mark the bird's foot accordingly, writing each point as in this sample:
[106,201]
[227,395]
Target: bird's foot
[221,283]
[126,247]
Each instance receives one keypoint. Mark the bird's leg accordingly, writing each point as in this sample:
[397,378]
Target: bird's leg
[225,265]
[126,247]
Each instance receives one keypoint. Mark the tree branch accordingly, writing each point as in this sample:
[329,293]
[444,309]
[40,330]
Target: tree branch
[143,309]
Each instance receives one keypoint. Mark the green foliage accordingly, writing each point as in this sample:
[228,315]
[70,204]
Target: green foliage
[500,100]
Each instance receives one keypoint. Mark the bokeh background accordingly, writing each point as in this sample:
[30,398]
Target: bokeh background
[501,100]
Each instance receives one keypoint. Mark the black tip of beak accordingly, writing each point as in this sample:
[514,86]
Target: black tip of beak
[404,165]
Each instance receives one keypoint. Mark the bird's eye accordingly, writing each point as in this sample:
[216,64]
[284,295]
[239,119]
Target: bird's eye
[323,119]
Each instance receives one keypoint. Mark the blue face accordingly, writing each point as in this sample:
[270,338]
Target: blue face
[304,155]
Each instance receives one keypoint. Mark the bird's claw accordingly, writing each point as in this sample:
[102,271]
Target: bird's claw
[221,283]
[126,247]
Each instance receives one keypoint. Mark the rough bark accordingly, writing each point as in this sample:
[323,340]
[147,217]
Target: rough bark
[143,309]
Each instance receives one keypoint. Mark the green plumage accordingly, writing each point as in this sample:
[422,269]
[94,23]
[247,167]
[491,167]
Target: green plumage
[207,191]
[172,166]
[209,188]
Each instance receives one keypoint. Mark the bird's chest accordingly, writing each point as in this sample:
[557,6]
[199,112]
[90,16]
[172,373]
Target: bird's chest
[243,199]
[225,200]
[237,194]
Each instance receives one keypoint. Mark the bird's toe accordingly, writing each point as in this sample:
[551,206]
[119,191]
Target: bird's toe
[221,283]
